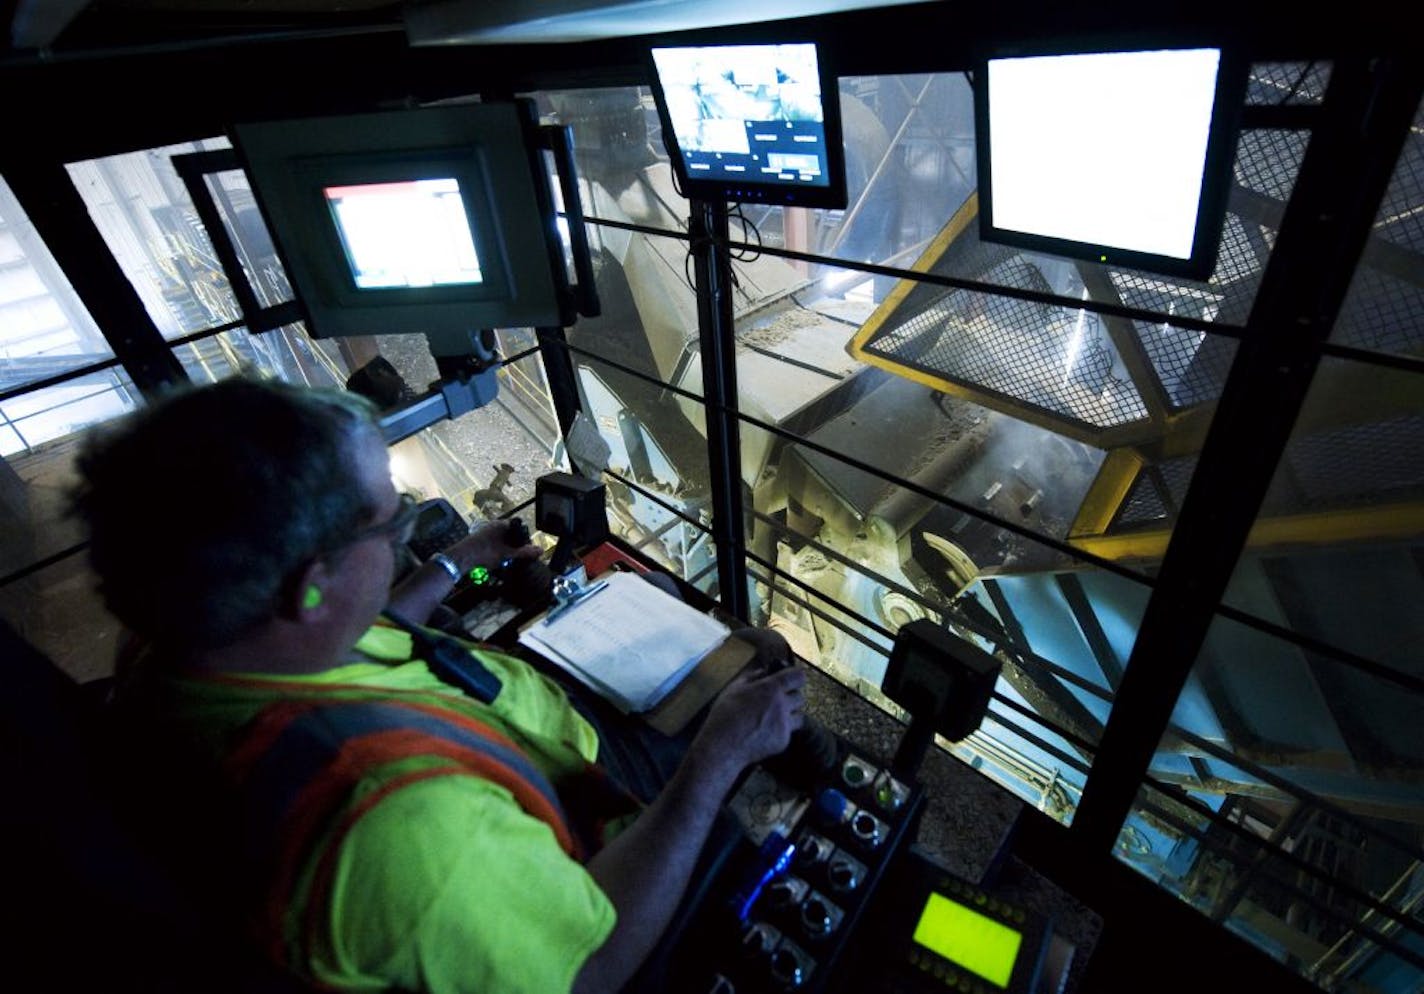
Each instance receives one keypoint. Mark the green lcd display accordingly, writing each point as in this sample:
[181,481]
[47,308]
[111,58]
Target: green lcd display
[980,945]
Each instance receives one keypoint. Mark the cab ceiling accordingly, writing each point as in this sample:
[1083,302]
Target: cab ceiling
[41,24]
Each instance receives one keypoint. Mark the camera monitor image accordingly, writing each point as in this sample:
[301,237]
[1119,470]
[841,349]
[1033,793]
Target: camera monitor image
[750,120]
[405,234]
[1117,157]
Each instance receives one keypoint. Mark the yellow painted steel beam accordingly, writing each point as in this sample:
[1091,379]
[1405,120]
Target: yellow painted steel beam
[1399,522]
[1109,489]
[1183,434]
[961,220]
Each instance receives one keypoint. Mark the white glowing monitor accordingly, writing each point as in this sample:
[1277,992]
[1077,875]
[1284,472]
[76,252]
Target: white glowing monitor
[1119,157]
[412,233]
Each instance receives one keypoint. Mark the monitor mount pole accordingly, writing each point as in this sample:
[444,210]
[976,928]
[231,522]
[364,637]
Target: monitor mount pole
[712,261]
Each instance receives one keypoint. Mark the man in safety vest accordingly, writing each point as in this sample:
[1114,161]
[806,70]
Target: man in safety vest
[384,829]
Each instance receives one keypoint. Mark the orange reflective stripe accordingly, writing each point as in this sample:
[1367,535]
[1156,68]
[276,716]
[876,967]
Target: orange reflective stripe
[315,802]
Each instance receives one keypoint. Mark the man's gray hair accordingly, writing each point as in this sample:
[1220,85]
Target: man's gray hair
[203,507]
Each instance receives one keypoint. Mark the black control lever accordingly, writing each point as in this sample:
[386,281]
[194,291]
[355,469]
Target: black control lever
[525,583]
[810,756]
[516,535]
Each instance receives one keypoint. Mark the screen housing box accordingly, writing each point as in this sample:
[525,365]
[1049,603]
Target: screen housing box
[832,195]
[489,149]
[1216,181]
[940,678]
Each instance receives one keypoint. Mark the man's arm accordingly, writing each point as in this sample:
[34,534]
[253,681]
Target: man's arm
[645,870]
[418,595]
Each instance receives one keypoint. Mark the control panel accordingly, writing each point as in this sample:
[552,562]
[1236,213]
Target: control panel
[782,910]
[935,933]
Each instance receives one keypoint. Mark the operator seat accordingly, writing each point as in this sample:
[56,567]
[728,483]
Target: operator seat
[93,905]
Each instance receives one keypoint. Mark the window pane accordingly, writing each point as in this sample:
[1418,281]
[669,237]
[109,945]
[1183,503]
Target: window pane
[659,473]
[485,462]
[964,435]
[58,610]
[42,434]
[1037,413]
[1306,718]
[1319,892]
[649,318]
[1336,552]
[1276,83]
[247,229]
[40,416]
[44,328]
[284,353]
[142,209]
[844,558]
[1384,308]
[1314,758]
[619,153]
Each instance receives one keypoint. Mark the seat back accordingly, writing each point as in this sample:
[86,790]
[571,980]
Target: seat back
[95,905]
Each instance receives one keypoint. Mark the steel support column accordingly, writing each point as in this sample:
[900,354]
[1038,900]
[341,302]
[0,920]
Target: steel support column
[559,371]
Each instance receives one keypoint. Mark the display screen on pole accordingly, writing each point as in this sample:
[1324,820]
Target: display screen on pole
[973,941]
[1120,157]
[405,234]
[756,123]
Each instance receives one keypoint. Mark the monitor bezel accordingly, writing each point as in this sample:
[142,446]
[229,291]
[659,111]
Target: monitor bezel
[832,196]
[1231,80]
[482,146]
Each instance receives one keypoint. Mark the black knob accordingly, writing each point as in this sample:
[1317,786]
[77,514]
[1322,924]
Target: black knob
[758,939]
[516,535]
[781,894]
[816,917]
[843,876]
[786,967]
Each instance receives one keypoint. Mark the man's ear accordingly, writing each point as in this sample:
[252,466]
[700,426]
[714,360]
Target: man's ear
[306,601]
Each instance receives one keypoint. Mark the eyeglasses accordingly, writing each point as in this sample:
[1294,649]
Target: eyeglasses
[397,528]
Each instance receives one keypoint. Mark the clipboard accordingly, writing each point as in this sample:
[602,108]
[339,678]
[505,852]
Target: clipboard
[689,685]
[701,685]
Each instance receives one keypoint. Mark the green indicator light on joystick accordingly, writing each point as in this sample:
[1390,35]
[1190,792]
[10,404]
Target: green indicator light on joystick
[480,575]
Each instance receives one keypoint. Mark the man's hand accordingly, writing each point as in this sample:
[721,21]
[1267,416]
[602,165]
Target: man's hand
[418,595]
[644,871]
[753,718]
[487,545]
